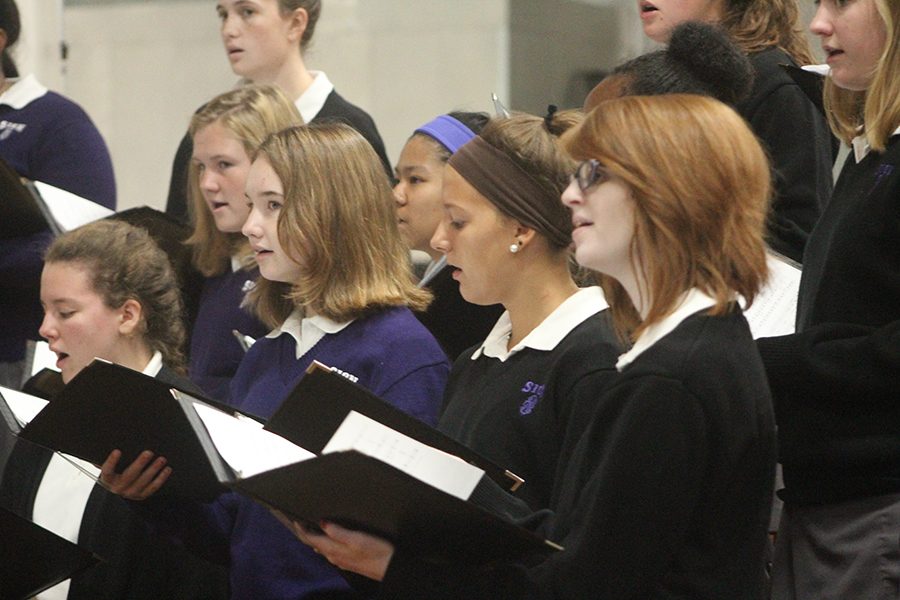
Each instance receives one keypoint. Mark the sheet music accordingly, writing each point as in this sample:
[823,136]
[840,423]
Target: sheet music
[774,309]
[444,471]
[24,406]
[245,445]
[69,210]
[43,358]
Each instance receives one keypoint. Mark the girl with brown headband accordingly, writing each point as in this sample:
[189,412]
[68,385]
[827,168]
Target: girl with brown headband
[667,492]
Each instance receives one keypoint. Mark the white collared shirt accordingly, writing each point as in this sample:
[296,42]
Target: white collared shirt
[64,491]
[584,303]
[861,146]
[307,331]
[693,301]
[313,99]
[23,92]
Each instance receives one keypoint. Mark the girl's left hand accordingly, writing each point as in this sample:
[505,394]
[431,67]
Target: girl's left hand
[347,549]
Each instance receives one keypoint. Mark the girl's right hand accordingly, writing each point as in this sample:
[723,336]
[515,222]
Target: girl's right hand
[140,480]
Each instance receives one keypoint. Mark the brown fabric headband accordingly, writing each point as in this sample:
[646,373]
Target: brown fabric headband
[512,190]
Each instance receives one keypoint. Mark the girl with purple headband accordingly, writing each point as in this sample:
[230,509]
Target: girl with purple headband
[455,323]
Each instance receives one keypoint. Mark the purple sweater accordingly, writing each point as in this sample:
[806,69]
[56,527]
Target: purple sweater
[51,139]
[215,353]
[391,354]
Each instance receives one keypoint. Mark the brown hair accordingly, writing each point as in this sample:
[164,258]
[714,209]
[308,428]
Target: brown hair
[250,114]
[759,24]
[532,143]
[338,217]
[313,10]
[876,109]
[125,263]
[701,187]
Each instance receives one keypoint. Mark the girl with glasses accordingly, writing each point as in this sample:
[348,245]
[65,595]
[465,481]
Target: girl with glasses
[667,492]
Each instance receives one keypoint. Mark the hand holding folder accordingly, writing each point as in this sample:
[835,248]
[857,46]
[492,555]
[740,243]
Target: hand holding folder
[368,475]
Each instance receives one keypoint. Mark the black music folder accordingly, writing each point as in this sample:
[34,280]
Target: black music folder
[322,399]
[33,559]
[364,493]
[108,406]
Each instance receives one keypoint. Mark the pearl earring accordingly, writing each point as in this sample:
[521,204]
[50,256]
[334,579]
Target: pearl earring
[514,247]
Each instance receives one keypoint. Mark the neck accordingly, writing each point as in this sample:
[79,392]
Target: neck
[541,291]
[134,354]
[637,291]
[292,77]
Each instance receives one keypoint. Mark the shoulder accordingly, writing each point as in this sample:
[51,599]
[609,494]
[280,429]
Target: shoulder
[769,77]
[170,377]
[57,108]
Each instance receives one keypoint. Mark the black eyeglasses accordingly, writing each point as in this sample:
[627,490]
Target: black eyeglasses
[588,173]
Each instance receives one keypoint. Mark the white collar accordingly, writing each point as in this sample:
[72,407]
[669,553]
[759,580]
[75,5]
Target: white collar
[23,92]
[307,331]
[155,365]
[861,146]
[313,99]
[693,301]
[584,303]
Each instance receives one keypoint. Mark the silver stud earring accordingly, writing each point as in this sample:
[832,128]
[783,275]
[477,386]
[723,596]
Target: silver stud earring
[514,247]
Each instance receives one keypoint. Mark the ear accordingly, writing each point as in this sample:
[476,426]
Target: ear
[298,19]
[525,235]
[130,315]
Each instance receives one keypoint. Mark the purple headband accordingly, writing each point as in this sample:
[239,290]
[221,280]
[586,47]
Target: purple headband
[451,133]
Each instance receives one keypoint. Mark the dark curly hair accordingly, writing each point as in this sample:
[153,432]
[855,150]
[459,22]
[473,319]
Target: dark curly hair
[126,264]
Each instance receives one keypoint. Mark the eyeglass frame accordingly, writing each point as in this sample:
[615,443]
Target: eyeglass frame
[586,180]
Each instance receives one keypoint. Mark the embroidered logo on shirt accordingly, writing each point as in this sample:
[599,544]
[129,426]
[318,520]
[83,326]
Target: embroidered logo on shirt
[7,128]
[535,392]
[346,375]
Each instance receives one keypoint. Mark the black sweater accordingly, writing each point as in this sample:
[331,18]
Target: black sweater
[798,141]
[526,413]
[667,494]
[836,382]
[335,109]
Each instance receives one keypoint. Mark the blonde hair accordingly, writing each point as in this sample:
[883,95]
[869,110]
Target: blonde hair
[249,114]
[701,188]
[876,109]
[124,263]
[338,218]
[756,25]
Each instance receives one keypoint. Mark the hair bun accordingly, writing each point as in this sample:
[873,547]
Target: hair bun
[711,56]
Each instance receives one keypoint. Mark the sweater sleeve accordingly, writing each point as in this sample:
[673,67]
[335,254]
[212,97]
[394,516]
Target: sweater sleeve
[74,157]
[618,530]
[798,142]
[843,364]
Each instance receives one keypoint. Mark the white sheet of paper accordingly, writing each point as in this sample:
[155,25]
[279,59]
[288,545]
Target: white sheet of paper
[43,358]
[444,471]
[70,210]
[24,406]
[774,309]
[245,445]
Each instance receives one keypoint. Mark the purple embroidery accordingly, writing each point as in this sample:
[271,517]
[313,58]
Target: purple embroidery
[883,171]
[535,392]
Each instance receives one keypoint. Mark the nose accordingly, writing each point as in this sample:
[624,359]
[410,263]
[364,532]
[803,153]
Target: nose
[572,195]
[251,228]
[228,28]
[208,181]
[439,239]
[47,329]
[400,193]
[821,23]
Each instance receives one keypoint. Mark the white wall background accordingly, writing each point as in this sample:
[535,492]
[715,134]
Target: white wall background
[141,67]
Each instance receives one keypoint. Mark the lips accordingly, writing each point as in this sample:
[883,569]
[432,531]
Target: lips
[647,7]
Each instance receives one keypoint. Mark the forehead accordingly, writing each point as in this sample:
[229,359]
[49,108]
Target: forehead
[458,193]
[262,177]
[65,279]
[420,151]
[214,136]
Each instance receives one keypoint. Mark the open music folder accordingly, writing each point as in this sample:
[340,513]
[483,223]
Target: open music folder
[33,559]
[365,474]
[30,207]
